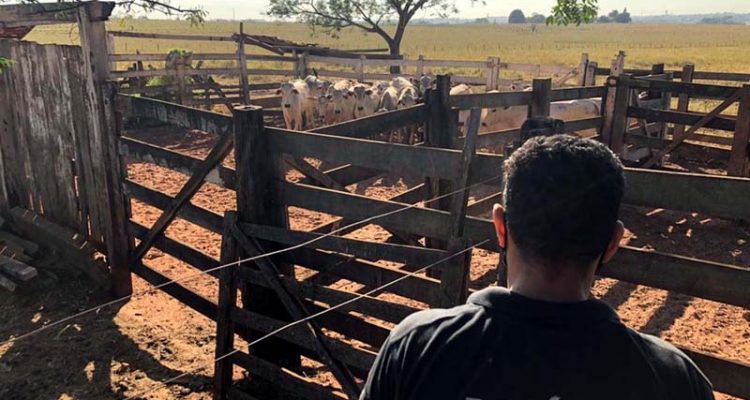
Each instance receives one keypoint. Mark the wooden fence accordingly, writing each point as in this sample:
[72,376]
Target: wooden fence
[58,149]
[365,68]
[261,224]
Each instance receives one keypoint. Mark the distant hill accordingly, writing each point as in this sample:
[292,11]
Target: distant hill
[716,18]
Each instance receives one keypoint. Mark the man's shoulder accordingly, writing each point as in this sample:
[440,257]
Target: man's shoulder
[427,322]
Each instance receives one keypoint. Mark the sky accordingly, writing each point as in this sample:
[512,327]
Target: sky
[244,9]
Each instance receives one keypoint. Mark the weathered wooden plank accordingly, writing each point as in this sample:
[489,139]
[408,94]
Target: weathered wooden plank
[708,280]
[182,294]
[18,270]
[175,114]
[726,376]
[576,93]
[191,187]
[347,174]
[170,36]
[484,205]
[198,215]
[710,152]
[145,152]
[490,100]
[7,284]
[377,123]
[372,251]
[424,161]
[419,288]
[695,90]
[298,311]
[393,312]
[357,358]
[682,118]
[194,72]
[738,158]
[688,192]
[133,57]
[225,328]
[284,380]
[15,15]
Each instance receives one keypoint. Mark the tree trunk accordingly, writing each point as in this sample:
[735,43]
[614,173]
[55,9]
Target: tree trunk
[395,50]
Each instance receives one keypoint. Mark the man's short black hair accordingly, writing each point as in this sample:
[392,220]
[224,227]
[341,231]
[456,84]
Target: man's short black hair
[562,198]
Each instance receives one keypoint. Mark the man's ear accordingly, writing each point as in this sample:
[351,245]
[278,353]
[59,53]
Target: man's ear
[614,243]
[498,218]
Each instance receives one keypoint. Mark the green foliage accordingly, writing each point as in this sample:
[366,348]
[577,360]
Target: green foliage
[5,64]
[567,12]
[516,17]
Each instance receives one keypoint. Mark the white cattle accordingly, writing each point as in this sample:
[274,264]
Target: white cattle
[577,109]
[425,82]
[366,100]
[295,104]
[389,100]
[401,83]
[463,116]
[407,98]
[342,103]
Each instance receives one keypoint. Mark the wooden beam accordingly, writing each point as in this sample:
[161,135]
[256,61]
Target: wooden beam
[539,106]
[367,250]
[182,116]
[378,123]
[738,158]
[683,118]
[33,14]
[298,311]
[676,141]
[726,376]
[191,187]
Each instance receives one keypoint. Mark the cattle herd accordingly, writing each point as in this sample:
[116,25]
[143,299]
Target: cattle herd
[312,102]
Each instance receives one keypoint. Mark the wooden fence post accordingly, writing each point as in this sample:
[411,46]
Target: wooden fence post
[620,115]
[591,73]
[583,70]
[440,131]
[259,201]
[540,98]
[420,65]
[104,148]
[616,69]
[244,84]
[738,158]
[683,103]
[302,65]
[225,329]
[493,73]
[361,68]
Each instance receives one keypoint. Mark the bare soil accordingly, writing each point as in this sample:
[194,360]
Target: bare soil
[126,350]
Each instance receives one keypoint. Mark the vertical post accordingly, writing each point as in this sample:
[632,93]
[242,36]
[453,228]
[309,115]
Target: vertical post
[114,204]
[583,70]
[227,299]
[591,73]
[259,201]
[683,103]
[454,281]
[540,98]
[620,115]
[441,131]
[244,84]
[111,50]
[420,65]
[616,69]
[738,158]
[361,68]
[181,88]
[493,73]
[302,65]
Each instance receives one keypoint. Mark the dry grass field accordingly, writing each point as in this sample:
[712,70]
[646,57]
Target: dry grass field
[709,47]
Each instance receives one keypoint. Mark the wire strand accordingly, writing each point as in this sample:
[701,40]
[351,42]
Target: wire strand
[309,318]
[231,264]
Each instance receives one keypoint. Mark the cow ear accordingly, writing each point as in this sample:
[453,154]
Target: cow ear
[329,97]
[295,91]
[368,92]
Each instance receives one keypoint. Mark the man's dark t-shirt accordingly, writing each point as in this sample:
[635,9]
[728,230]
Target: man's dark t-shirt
[503,346]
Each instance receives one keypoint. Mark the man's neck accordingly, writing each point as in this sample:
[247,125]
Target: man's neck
[566,287]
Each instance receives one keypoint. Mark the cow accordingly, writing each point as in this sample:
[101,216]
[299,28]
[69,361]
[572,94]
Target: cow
[389,100]
[423,83]
[342,103]
[577,109]
[295,104]
[463,116]
[366,100]
[400,83]
[408,98]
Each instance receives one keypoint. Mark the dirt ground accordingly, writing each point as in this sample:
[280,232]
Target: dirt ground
[121,352]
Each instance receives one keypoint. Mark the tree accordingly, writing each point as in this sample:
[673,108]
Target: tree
[374,16]
[603,19]
[516,17]
[623,17]
[613,14]
[536,18]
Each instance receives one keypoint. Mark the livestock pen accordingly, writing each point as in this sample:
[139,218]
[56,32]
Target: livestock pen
[424,237]
[261,223]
